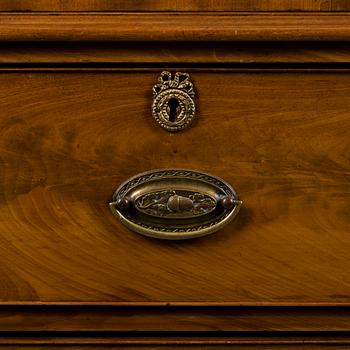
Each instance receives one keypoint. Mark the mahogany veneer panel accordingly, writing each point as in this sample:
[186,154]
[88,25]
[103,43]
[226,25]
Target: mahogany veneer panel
[69,138]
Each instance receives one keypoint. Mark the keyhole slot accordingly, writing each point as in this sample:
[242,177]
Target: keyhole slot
[173,105]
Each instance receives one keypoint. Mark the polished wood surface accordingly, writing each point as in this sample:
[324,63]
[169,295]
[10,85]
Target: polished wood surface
[173,5]
[70,138]
[170,27]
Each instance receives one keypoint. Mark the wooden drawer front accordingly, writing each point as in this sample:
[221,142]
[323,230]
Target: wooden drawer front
[69,138]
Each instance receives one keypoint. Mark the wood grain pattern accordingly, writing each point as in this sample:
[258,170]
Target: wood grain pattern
[69,139]
[70,136]
[166,5]
[142,54]
[174,27]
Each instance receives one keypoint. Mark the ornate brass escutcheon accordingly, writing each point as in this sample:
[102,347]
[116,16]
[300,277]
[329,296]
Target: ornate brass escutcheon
[173,106]
[175,203]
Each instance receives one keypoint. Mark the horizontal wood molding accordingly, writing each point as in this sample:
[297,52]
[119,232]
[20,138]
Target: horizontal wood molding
[109,318]
[302,343]
[174,27]
[172,5]
[150,53]
[260,342]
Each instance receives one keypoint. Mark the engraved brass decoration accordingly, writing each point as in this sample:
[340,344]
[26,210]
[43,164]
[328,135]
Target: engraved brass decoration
[175,203]
[173,106]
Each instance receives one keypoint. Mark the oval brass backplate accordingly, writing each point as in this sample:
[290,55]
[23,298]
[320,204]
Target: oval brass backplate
[173,106]
[175,203]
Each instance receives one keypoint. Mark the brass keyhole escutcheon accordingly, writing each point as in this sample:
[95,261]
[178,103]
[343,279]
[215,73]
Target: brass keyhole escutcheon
[173,105]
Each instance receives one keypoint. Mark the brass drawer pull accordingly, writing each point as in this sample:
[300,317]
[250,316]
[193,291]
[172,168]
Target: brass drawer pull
[175,203]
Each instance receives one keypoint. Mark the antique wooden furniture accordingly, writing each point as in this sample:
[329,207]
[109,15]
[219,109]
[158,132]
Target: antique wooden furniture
[269,113]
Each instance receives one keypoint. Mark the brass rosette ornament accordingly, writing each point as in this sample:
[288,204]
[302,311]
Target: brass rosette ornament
[173,105]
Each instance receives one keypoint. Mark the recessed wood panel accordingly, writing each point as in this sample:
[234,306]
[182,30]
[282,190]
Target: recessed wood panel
[70,138]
